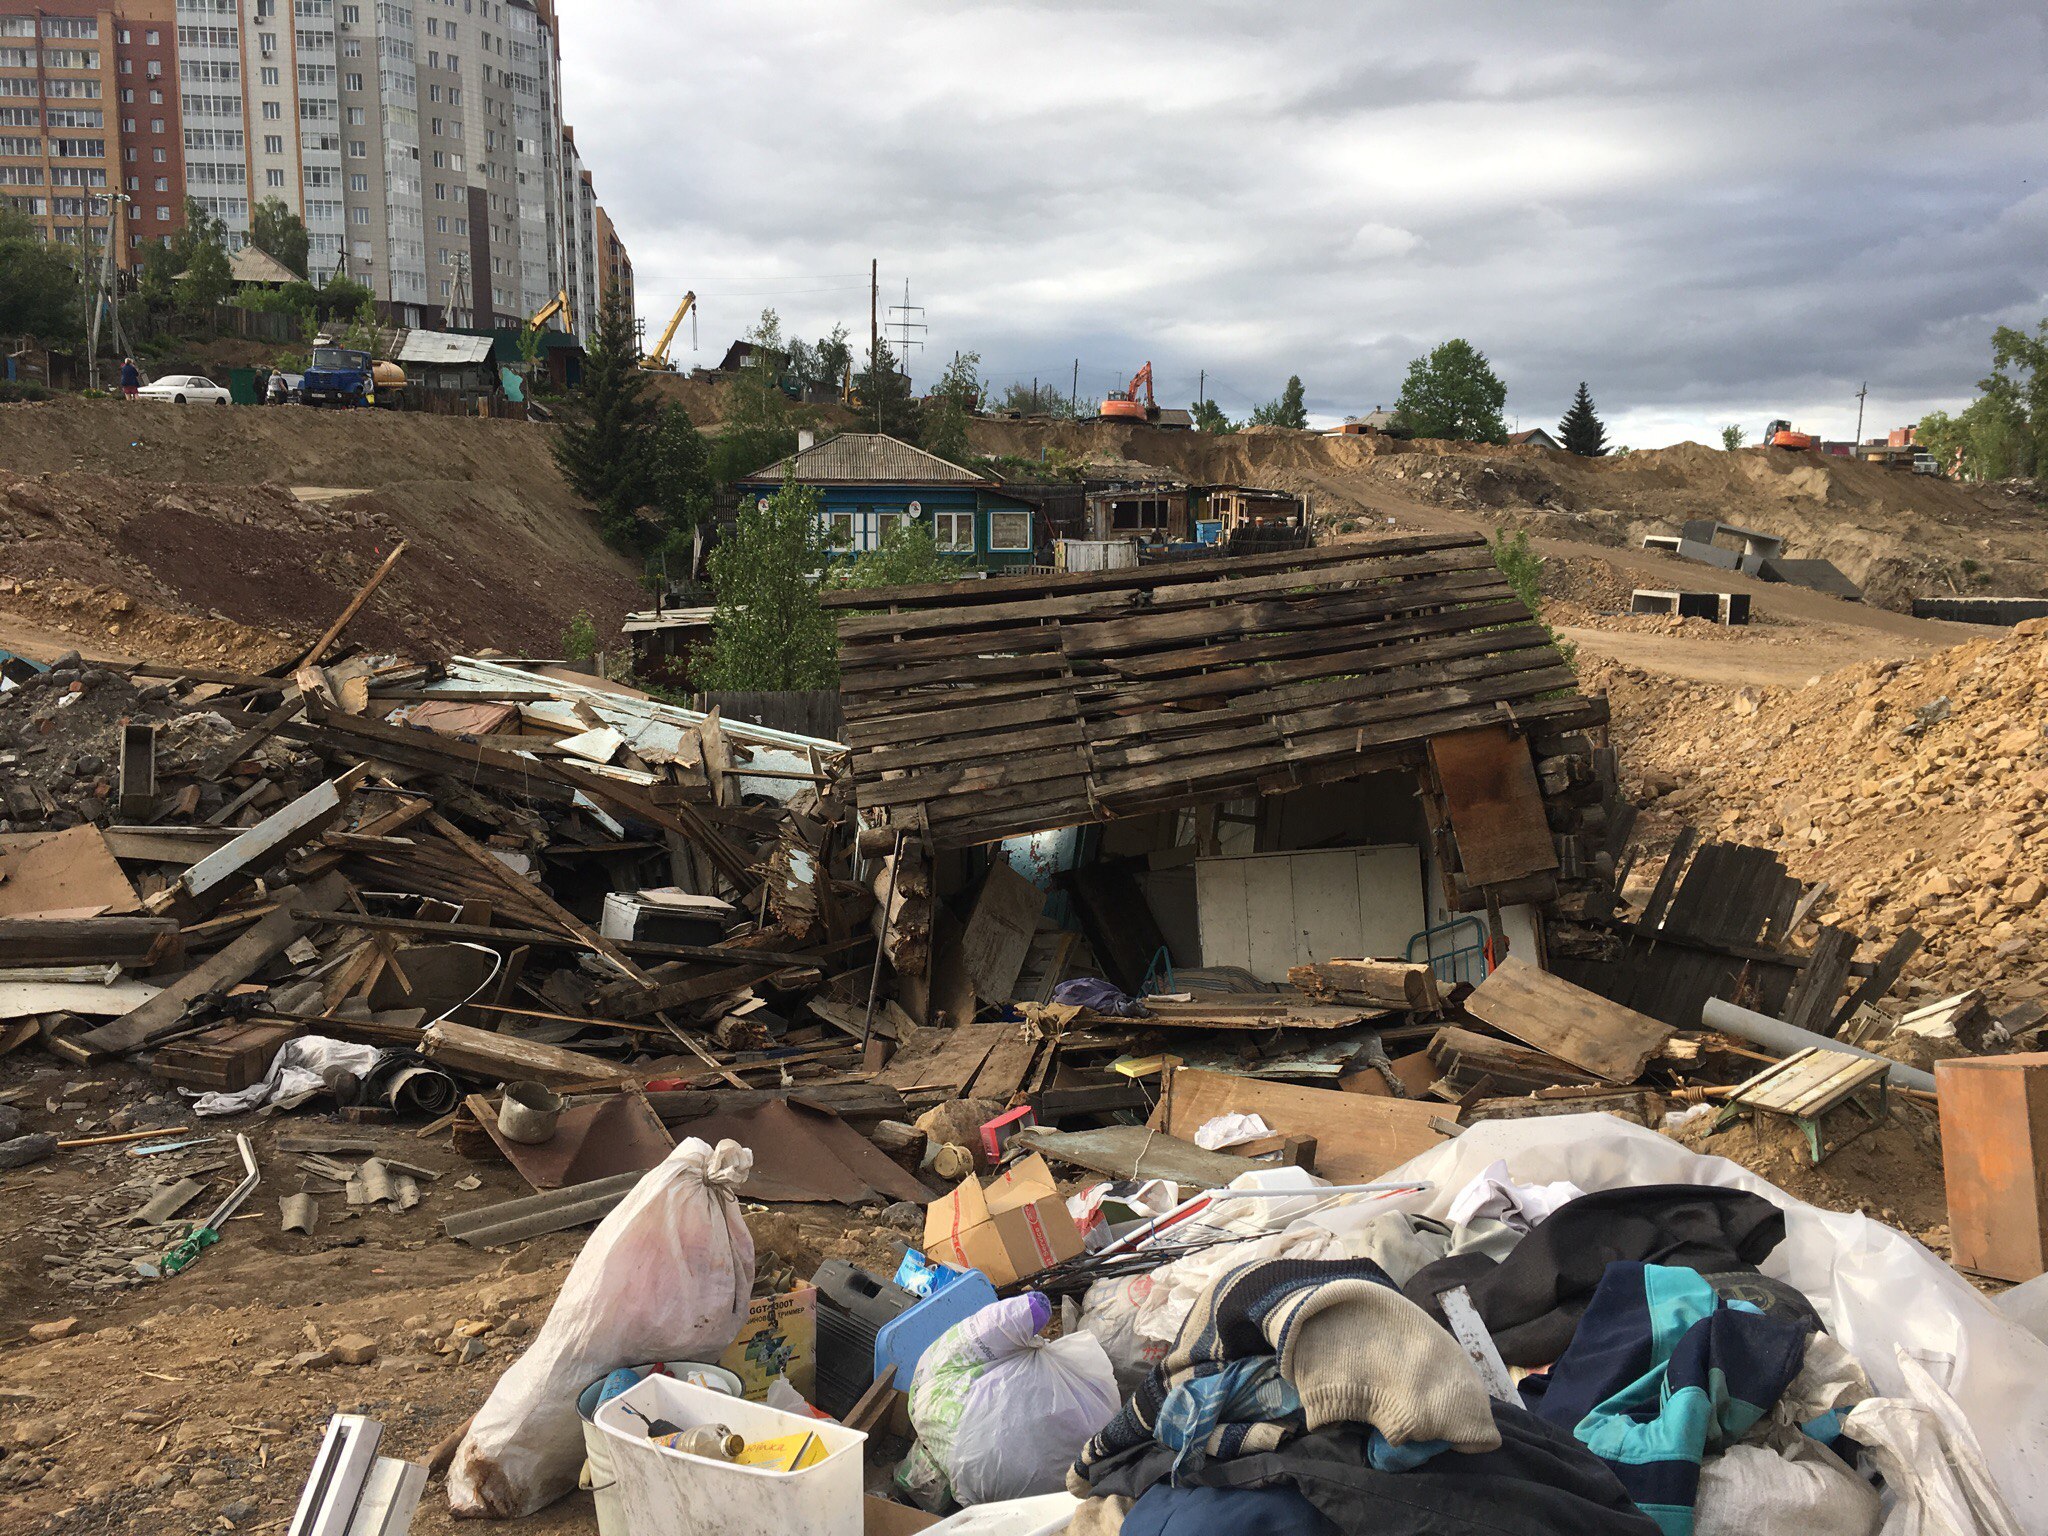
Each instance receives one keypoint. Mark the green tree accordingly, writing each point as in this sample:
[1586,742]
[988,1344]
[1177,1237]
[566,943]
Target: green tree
[201,251]
[2019,384]
[909,556]
[1453,393]
[760,422]
[884,380]
[1581,430]
[157,281]
[1290,410]
[768,631]
[943,418]
[1036,399]
[40,294]
[1209,417]
[681,473]
[604,444]
[1523,568]
[1733,437]
[341,296]
[277,231]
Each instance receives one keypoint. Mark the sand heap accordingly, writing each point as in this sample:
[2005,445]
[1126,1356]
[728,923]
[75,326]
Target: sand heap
[1918,791]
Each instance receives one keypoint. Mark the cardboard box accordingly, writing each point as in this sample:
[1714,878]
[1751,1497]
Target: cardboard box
[779,1338]
[1014,1226]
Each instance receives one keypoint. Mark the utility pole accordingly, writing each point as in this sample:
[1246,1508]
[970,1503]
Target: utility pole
[1202,389]
[1074,400]
[1860,394]
[875,337]
[103,296]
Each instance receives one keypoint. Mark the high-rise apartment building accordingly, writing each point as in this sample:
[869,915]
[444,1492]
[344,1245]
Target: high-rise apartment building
[89,105]
[421,140]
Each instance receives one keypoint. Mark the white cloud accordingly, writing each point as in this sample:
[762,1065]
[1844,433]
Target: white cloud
[1708,214]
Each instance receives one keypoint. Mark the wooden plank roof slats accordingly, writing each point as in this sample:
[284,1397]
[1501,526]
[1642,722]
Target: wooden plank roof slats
[1045,702]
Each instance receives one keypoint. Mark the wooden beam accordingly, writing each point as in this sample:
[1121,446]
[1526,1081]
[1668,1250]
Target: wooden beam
[354,607]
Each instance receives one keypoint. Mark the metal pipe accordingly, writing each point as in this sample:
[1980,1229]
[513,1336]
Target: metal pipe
[1776,1035]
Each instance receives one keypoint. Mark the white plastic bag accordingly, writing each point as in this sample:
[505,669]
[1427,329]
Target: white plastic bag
[1002,1412]
[1932,1465]
[666,1276]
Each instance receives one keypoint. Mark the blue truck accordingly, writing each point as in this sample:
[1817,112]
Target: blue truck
[345,377]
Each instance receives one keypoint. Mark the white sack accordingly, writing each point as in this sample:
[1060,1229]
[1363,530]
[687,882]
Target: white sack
[666,1276]
[1807,1489]
[1937,1480]
[295,1075]
[1878,1291]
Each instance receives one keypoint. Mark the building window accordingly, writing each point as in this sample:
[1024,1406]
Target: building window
[270,75]
[352,82]
[273,143]
[359,215]
[163,183]
[159,156]
[358,182]
[954,532]
[163,215]
[273,110]
[1009,532]
[273,177]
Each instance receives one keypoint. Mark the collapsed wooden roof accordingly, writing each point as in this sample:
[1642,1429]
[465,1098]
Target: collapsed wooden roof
[985,710]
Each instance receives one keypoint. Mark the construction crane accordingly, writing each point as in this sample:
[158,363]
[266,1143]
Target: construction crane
[1124,405]
[558,305]
[657,360]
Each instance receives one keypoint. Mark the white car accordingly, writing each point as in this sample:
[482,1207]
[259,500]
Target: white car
[184,389]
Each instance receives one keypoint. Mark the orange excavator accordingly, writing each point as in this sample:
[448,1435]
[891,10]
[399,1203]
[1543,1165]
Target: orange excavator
[1779,434]
[1124,405]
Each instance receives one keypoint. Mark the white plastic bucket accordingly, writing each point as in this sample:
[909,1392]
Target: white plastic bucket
[599,1480]
[664,1492]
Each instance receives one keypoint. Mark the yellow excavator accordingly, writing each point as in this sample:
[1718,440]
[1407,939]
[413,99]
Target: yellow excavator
[558,305]
[658,359]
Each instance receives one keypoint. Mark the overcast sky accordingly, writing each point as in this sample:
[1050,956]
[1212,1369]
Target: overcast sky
[1711,213]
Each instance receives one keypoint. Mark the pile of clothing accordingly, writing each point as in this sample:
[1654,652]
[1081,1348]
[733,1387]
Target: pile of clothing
[1665,1386]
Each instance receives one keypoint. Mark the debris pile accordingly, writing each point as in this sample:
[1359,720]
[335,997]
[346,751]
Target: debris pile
[1236,1001]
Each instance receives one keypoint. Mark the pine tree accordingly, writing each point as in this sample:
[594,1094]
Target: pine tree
[1290,410]
[605,447]
[1581,431]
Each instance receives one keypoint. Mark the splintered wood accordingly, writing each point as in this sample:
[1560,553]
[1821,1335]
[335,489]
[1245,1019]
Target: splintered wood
[1015,705]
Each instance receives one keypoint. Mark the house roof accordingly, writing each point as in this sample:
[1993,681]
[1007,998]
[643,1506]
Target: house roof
[250,265]
[1136,736]
[1536,435]
[445,347]
[867,458]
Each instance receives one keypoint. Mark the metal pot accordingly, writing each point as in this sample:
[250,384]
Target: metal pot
[528,1111]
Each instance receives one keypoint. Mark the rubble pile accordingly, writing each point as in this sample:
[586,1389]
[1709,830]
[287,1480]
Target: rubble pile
[1008,1113]
[1917,791]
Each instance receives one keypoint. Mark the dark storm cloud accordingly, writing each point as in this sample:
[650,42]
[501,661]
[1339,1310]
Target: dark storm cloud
[1710,213]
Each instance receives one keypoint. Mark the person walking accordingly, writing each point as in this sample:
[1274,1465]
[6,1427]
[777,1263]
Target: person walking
[131,378]
[279,392]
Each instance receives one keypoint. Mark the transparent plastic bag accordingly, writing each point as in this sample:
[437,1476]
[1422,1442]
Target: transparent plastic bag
[1003,1412]
[666,1276]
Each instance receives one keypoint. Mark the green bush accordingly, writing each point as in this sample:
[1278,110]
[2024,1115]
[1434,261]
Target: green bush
[13,392]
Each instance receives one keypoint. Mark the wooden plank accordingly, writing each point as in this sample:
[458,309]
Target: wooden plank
[69,873]
[1548,1012]
[999,931]
[269,938]
[1001,588]
[1880,981]
[569,921]
[1811,1004]
[506,1057]
[1358,1136]
[355,606]
[130,941]
[1494,804]
[879,760]
[1003,1073]
[207,882]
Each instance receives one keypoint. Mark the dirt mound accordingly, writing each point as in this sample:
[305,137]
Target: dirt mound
[1918,790]
[1891,1172]
[1896,535]
[118,519]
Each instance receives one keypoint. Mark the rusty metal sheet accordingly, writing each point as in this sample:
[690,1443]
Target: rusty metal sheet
[619,1133]
[804,1154]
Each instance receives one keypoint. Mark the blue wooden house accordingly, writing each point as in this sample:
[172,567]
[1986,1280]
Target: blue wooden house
[870,483]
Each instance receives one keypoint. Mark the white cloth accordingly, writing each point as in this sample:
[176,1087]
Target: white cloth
[1497,1197]
[294,1075]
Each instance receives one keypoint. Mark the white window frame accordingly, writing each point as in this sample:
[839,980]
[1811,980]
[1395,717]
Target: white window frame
[842,532]
[946,532]
[995,545]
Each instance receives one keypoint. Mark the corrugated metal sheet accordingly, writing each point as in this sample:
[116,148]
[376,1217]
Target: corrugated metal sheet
[444,347]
